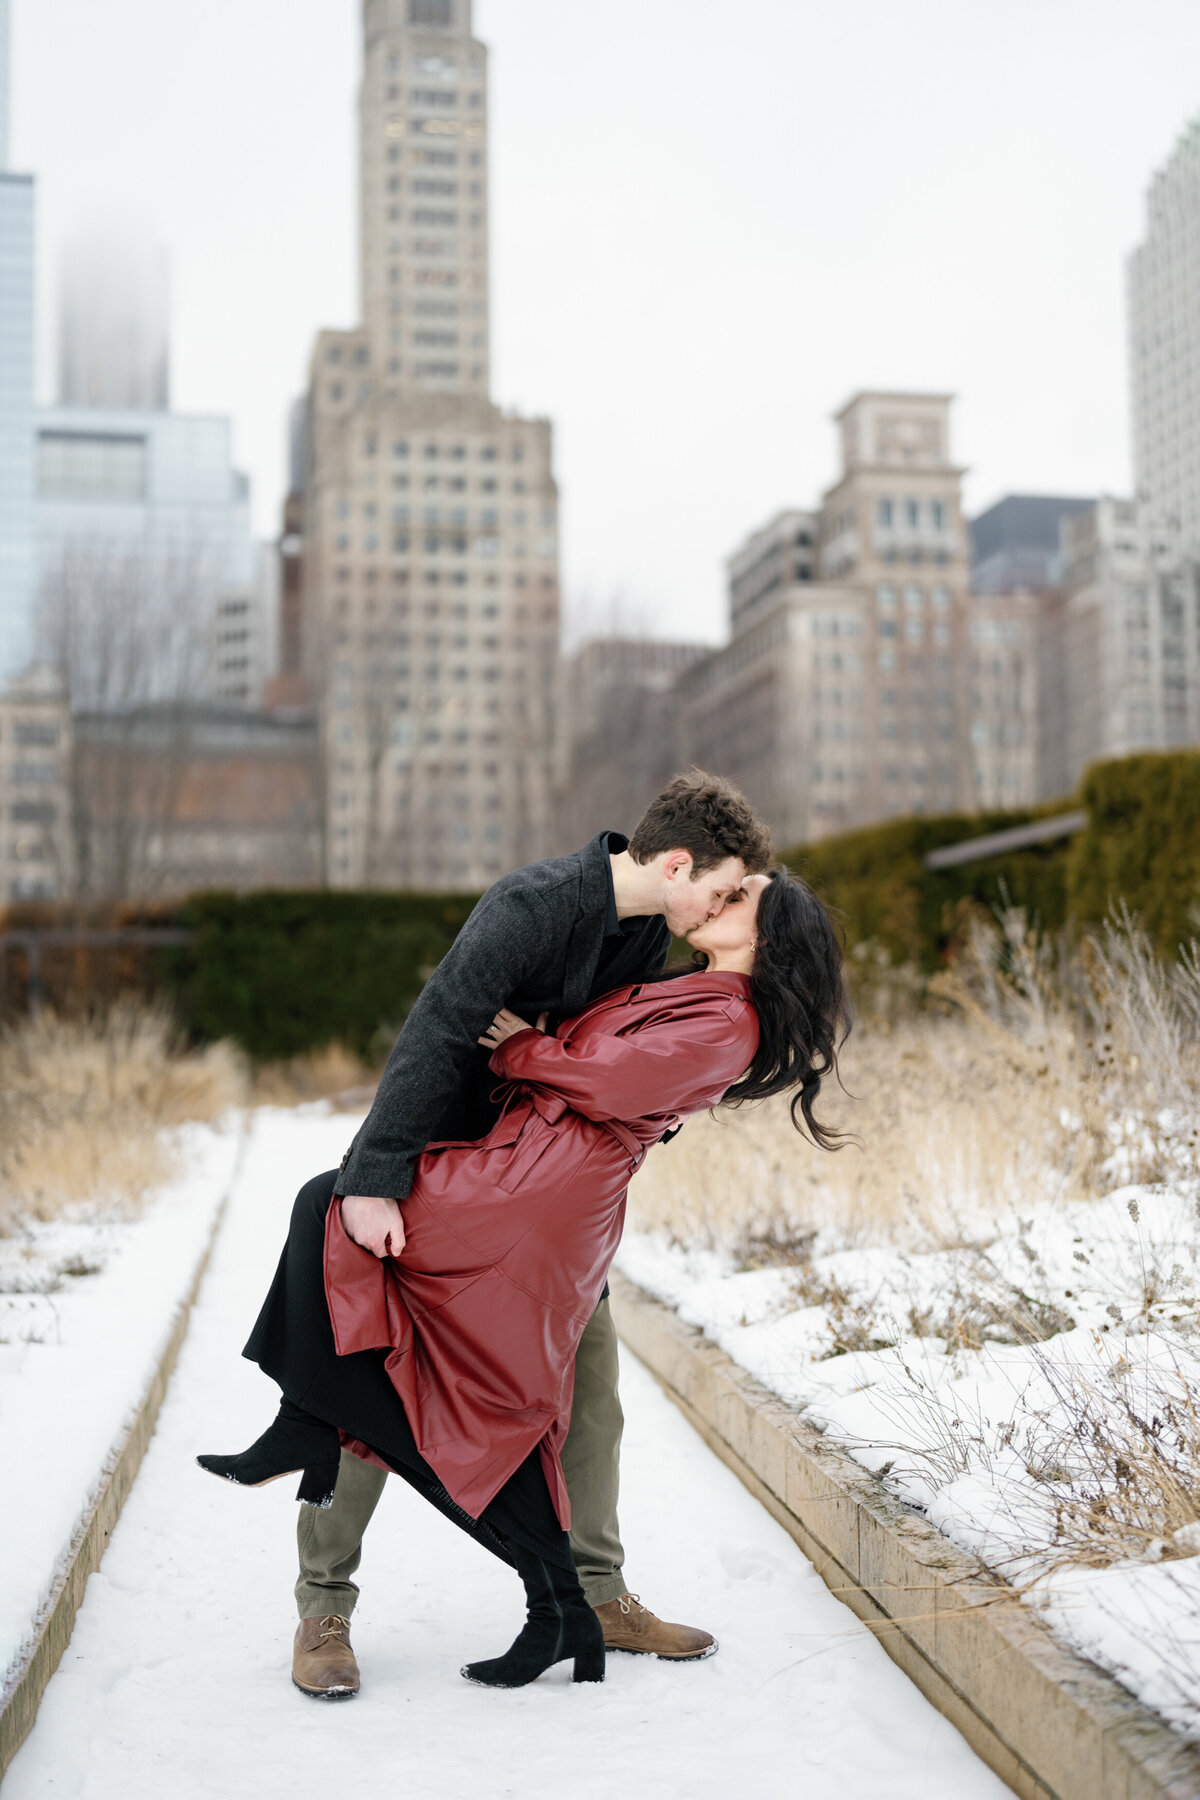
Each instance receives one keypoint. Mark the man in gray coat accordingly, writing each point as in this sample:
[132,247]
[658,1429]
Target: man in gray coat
[549,938]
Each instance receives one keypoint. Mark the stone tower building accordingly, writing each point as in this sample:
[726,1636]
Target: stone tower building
[430,541]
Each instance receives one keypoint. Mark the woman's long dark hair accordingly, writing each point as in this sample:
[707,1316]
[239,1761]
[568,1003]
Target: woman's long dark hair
[799,991]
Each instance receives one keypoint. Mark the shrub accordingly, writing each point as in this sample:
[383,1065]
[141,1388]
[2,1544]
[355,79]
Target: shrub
[286,972]
[878,881]
[1141,846]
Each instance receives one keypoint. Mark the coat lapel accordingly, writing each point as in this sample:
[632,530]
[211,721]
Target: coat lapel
[583,944]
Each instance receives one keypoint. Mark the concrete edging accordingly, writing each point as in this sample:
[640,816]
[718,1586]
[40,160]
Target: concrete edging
[26,1679]
[1051,1725]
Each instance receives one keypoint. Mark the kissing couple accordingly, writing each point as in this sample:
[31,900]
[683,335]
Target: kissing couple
[440,1308]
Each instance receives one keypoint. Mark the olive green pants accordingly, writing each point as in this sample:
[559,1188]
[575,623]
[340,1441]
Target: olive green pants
[330,1538]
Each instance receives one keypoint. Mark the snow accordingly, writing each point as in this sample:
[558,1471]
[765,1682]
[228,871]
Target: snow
[75,1361]
[176,1679]
[975,1437]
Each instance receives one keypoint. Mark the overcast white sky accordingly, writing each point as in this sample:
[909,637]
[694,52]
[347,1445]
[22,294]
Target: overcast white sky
[712,222]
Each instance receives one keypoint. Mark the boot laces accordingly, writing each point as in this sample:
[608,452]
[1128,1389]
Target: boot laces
[333,1625]
[628,1602]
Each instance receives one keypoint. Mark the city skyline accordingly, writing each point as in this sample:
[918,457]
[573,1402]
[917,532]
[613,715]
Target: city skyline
[967,271]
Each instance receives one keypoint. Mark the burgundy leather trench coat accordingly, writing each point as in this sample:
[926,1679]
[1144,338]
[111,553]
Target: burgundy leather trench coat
[508,1238]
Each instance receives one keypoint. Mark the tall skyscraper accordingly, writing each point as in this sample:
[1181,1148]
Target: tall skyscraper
[429,531]
[17,583]
[1163,276]
[114,329]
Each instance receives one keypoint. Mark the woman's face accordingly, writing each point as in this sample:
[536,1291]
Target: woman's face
[736,925]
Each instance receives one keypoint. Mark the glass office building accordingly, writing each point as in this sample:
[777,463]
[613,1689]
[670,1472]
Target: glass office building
[143,547]
[17,576]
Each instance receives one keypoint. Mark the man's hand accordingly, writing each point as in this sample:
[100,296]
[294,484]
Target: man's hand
[505,1025]
[374,1223]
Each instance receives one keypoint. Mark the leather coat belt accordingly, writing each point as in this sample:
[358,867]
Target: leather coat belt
[552,1106]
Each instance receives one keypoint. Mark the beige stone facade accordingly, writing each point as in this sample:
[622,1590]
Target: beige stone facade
[430,535]
[1130,636]
[35,762]
[838,701]
[1014,698]
[893,526]
[620,705]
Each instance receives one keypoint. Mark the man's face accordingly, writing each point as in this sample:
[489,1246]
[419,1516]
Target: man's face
[690,902]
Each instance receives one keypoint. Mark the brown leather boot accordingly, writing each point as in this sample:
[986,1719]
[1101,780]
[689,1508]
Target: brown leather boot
[628,1625]
[323,1663]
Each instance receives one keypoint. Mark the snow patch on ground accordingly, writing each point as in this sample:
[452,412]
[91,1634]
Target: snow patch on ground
[973,1435]
[86,1305]
[176,1680]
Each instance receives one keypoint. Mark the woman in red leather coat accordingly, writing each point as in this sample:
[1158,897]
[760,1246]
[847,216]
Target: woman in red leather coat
[452,1361]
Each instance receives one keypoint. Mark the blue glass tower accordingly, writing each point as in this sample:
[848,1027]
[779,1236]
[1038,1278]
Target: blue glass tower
[16,398]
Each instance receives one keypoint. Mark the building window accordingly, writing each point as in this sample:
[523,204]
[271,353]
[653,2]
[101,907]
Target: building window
[92,465]
[914,599]
[912,514]
[937,514]
[431,12]
[885,514]
[885,597]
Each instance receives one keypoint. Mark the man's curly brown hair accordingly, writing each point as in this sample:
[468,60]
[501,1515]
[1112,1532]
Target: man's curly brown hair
[707,816]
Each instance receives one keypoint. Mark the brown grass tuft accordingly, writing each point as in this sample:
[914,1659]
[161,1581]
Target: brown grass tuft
[331,1073]
[84,1103]
[1034,1071]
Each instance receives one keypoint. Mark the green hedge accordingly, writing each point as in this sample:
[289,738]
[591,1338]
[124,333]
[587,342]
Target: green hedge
[283,972]
[1141,844]
[878,881]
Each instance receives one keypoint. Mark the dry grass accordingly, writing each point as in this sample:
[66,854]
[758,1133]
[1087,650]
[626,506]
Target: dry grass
[331,1073]
[951,1126]
[1121,1460]
[84,1103]
[1033,1071]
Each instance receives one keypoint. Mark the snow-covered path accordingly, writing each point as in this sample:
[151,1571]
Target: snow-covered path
[175,1684]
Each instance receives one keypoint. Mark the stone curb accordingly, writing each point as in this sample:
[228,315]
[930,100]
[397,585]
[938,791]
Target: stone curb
[26,1679]
[1051,1725]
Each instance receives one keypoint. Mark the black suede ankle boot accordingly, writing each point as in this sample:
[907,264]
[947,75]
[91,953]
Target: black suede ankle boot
[295,1440]
[559,1623]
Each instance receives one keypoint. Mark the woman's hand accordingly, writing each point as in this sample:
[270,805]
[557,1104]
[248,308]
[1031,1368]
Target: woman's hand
[505,1025]
[374,1223]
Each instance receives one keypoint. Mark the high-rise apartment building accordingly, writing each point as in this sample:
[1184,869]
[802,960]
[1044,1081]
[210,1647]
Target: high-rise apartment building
[1017,694]
[1163,278]
[892,527]
[113,323]
[838,701]
[747,710]
[17,576]
[429,515]
[619,746]
[1131,636]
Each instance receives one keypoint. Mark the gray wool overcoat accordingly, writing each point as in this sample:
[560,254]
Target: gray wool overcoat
[533,944]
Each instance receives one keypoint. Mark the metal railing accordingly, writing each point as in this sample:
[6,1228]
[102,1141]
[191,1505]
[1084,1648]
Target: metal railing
[1019,837]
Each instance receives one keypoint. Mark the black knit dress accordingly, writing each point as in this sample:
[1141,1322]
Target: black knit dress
[292,1342]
